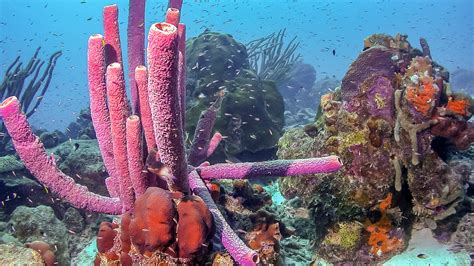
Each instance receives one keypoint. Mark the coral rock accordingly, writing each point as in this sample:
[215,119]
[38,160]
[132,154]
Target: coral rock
[44,250]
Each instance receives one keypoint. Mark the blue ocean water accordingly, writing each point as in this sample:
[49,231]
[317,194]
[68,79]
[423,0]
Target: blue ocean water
[320,26]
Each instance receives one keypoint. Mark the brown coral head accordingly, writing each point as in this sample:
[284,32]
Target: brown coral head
[105,236]
[152,226]
[44,250]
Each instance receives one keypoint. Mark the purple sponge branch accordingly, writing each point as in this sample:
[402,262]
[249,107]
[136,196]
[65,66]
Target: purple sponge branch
[425,48]
[135,157]
[118,111]
[175,4]
[232,243]
[213,143]
[163,98]
[113,50]
[198,151]
[96,70]
[271,168]
[141,80]
[43,167]
[182,71]
[136,43]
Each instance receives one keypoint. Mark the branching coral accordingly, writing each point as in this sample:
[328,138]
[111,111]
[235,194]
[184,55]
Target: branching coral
[146,233]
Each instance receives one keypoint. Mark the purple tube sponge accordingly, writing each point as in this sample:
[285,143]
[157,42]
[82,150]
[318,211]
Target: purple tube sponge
[271,168]
[164,104]
[96,70]
[136,45]
[198,151]
[232,243]
[43,167]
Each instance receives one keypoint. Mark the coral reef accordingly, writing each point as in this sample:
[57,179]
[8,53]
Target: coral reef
[393,121]
[301,78]
[44,250]
[82,128]
[341,241]
[300,110]
[171,194]
[158,230]
[81,159]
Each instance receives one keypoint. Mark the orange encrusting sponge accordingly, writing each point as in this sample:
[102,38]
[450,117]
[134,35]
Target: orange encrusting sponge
[380,240]
[422,97]
[459,107]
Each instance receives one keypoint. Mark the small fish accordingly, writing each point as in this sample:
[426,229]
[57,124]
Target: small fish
[76,146]
[334,52]
[422,256]
[89,18]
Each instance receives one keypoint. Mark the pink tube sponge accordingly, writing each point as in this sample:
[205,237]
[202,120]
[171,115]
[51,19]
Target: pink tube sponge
[163,97]
[182,72]
[172,16]
[175,4]
[43,167]
[198,151]
[113,50]
[141,78]
[99,111]
[135,45]
[135,157]
[118,109]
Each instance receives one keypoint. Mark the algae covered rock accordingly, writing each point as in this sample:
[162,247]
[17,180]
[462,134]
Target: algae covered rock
[81,160]
[16,255]
[341,241]
[211,59]
[17,187]
[41,224]
[295,144]
[52,139]
[82,128]
[251,114]
[10,163]
[298,88]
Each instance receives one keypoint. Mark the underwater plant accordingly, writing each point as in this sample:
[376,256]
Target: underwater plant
[270,58]
[167,212]
[29,95]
